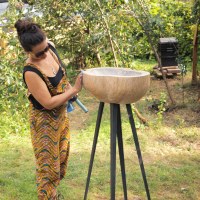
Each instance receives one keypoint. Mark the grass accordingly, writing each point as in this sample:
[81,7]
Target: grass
[172,171]
[143,65]
[170,150]
[17,169]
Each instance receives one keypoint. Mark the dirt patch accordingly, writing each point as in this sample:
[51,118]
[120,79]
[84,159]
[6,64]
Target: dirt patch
[187,108]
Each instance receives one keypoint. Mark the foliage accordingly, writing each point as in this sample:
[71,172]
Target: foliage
[177,23]
[161,107]
[166,19]
[196,11]
[13,102]
[77,29]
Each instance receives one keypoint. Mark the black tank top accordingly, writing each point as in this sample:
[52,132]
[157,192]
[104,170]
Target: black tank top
[53,80]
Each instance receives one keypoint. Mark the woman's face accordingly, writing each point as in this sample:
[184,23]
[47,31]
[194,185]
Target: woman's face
[40,51]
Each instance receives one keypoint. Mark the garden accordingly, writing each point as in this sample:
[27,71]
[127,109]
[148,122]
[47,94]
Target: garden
[122,33]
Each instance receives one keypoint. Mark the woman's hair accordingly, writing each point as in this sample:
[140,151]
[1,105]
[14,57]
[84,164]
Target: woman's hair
[29,34]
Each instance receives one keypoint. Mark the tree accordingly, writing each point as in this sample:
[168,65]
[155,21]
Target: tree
[77,29]
[196,18]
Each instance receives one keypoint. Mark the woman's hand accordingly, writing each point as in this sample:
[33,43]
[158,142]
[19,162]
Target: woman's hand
[77,86]
[68,87]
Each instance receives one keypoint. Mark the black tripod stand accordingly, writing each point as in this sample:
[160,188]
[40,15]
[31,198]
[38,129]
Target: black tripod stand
[116,132]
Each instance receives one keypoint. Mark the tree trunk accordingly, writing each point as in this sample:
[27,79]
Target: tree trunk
[195,57]
[147,33]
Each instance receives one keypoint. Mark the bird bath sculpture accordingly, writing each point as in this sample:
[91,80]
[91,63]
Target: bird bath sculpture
[116,86]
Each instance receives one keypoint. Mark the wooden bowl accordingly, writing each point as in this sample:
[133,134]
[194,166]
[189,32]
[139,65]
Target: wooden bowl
[116,85]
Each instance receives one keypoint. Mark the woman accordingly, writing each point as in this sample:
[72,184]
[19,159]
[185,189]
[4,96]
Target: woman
[48,92]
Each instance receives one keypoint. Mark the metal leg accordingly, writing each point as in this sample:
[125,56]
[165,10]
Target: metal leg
[113,120]
[130,115]
[101,106]
[121,151]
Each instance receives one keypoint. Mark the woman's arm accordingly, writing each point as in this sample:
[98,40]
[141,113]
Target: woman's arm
[40,92]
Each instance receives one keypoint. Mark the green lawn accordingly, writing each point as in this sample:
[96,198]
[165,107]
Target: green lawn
[170,147]
[172,168]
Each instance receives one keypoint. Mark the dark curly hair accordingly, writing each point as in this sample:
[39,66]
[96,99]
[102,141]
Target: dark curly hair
[29,33]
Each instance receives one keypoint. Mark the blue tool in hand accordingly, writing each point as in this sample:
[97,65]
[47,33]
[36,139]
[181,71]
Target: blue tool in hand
[70,107]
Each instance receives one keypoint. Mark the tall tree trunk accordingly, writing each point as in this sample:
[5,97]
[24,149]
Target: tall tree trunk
[195,56]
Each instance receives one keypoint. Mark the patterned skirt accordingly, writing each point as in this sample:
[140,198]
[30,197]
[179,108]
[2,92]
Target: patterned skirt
[51,142]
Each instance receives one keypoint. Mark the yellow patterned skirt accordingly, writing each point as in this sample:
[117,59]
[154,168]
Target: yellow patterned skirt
[51,142]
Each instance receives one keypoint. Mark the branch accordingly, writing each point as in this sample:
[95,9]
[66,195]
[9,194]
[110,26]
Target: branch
[108,31]
[140,117]
[154,50]
[119,51]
